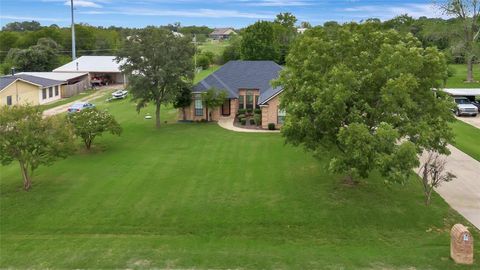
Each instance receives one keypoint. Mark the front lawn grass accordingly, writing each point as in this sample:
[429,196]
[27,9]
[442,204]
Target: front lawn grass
[460,75]
[467,139]
[197,196]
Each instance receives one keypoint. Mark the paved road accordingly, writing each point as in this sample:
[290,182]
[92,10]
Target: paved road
[63,108]
[463,193]
[474,121]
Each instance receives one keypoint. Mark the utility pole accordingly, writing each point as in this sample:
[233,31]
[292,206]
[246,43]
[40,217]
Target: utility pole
[195,56]
[74,53]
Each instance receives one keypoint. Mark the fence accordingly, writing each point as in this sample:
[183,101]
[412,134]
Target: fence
[75,89]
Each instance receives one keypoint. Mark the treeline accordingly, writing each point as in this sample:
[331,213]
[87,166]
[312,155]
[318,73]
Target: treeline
[271,40]
[21,41]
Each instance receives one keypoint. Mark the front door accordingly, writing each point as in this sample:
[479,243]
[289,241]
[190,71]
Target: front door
[226,107]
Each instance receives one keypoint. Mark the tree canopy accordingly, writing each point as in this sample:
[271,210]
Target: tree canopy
[30,139]
[159,65]
[367,95]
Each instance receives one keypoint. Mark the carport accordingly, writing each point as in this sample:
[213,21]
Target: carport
[470,93]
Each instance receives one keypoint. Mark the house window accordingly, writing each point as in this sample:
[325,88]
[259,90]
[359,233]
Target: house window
[250,100]
[9,100]
[241,102]
[198,106]
[50,92]
[44,93]
[56,90]
[281,117]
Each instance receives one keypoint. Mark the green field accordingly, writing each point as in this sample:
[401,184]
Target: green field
[216,47]
[198,196]
[460,75]
[467,139]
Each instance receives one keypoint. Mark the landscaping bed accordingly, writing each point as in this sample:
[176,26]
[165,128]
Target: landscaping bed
[249,119]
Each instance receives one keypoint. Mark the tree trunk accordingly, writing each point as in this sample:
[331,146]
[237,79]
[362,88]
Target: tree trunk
[470,78]
[27,181]
[207,114]
[157,115]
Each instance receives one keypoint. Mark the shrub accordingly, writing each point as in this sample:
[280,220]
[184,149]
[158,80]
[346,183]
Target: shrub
[243,121]
[252,121]
[203,61]
[249,111]
[241,116]
[258,119]
[241,111]
[271,126]
[203,120]
[258,111]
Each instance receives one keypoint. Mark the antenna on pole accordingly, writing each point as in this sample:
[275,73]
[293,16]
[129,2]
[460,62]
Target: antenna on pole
[74,53]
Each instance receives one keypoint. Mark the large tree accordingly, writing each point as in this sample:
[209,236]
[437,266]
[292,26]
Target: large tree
[40,57]
[30,139]
[468,12]
[365,96]
[259,42]
[159,65]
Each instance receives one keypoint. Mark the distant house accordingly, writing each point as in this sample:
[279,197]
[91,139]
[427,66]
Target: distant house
[247,84]
[100,69]
[222,33]
[26,89]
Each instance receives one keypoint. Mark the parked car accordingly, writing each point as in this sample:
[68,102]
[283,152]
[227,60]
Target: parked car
[78,106]
[119,94]
[465,107]
[477,103]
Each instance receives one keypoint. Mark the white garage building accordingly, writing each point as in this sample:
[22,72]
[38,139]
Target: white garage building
[102,70]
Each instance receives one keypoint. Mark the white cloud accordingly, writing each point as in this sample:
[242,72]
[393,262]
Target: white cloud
[83,3]
[23,18]
[388,12]
[208,13]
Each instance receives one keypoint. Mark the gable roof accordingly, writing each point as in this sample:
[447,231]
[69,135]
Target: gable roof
[39,81]
[91,64]
[222,31]
[236,75]
[59,76]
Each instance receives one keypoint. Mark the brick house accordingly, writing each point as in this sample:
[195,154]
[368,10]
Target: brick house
[247,84]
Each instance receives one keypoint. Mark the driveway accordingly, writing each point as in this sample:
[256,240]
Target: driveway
[474,121]
[63,108]
[463,193]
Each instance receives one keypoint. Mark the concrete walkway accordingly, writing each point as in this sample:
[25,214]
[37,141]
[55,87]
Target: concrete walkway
[463,193]
[63,108]
[474,121]
[227,123]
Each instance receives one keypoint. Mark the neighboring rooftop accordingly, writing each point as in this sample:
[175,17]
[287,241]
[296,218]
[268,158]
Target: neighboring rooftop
[91,64]
[43,82]
[222,31]
[236,75]
[60,76]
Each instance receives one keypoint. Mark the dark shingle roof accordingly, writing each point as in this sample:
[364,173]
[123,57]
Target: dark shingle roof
[236,75]
[44,82]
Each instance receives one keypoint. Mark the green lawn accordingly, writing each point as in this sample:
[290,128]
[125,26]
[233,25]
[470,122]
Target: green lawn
[67,100]
[198,196]
[460,75]
[467,138]
[204,73]
[217,47]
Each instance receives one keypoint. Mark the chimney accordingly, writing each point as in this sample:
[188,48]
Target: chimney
[13,71]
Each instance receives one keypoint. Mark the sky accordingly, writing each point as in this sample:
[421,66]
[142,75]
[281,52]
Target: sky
[212,13]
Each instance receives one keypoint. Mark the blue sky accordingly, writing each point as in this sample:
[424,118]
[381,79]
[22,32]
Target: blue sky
[213,13]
